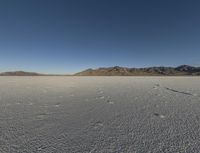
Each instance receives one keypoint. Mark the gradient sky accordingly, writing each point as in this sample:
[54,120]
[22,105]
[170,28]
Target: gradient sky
[66,36]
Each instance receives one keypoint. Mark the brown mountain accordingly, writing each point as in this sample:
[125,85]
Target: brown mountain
[20,73]
[123,71]
[150,71]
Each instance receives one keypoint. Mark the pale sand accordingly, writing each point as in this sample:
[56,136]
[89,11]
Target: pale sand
[99,114]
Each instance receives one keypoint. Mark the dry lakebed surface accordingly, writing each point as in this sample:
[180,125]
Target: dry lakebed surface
[99,114]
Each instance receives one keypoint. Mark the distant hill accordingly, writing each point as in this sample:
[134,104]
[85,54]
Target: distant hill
[150,71]
[20,73]
[183,70]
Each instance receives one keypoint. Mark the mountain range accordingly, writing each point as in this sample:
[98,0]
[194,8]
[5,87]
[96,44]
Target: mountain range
[149,71]
[124,71]
[19,73]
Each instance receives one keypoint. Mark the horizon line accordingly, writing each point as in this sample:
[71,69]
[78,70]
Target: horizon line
[94,68]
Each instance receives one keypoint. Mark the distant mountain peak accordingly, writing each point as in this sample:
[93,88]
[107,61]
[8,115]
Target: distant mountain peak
[19,73]
[186,68]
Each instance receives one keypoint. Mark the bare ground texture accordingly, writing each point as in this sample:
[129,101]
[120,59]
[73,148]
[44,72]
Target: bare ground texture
[99,114]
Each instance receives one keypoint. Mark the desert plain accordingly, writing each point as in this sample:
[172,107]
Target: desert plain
[71,114]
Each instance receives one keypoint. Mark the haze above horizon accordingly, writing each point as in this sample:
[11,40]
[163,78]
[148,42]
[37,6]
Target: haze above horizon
[67,36]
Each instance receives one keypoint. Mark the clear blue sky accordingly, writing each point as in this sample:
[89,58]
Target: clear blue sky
[66,36]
